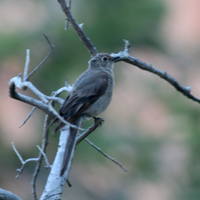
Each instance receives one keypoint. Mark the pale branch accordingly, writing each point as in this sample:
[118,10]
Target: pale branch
[30,159]
[39,163]
[56,99]
[68,86]
[44,105]
[106,155]
[78,29]
[26,78]
[48,166]
[26,99]
[22,161]
[28,116]
[124,56]
[26,64]
[55,183]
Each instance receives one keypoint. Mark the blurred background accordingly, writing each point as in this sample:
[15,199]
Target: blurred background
[150,128]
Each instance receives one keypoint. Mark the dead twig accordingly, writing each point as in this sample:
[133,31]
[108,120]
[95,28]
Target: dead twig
[28,116]
[98,122]
[78,29]
[106,155]
[26,78]
[22,161]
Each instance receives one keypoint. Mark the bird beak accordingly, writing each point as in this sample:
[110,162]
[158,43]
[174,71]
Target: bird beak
[114,59]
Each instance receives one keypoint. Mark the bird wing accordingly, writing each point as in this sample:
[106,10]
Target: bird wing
[86,91]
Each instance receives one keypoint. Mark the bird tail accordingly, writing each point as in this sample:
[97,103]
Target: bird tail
[70,145]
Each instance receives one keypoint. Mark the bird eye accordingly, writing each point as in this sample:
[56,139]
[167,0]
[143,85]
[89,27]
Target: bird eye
[104,58]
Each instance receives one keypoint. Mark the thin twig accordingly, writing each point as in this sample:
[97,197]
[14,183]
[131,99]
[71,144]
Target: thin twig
[48,166]
[43,61]
[22,161]
[28,116]
[98,122]
[106,155]
[78,29]
[18,154]
[26,64]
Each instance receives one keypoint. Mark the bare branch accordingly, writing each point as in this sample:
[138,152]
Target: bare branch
[124,56]
[28,116]
[48,166]
[106,155]
[55,183]
[29,100]
[48,109]
[43,61]
[26,64]
[98,122]
[40,157]
[78,29]
[22,161]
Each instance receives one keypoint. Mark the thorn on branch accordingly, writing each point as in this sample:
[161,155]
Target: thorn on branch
[81,25]
[127,46]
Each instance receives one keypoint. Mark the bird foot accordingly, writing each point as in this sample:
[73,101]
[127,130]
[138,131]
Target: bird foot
[98,120]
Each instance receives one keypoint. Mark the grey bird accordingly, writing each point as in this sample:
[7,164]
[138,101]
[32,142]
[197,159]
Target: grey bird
[90,96]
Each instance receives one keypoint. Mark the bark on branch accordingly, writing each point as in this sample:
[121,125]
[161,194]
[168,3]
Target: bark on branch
[124,56]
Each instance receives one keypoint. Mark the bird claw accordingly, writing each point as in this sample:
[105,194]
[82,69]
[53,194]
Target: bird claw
[98,120]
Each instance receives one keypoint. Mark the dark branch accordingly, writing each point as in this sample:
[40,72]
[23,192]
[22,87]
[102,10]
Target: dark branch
[106,155]
[124,56]
[67,22]
[78,29]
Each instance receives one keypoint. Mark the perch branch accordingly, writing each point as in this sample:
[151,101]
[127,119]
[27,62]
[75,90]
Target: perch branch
[98,122]
[124,56]
[16,81]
